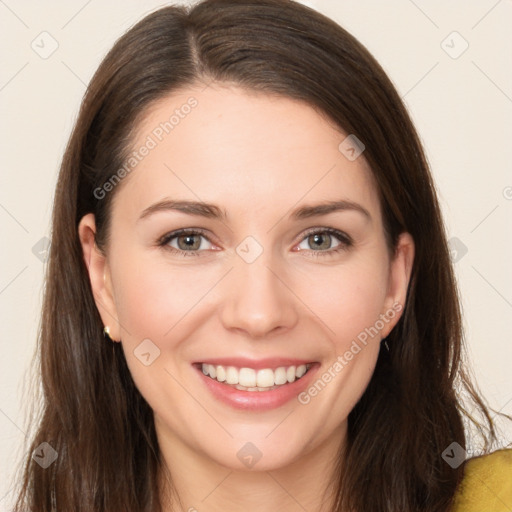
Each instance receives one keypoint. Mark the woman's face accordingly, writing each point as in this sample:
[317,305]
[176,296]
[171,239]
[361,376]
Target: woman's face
[286,268]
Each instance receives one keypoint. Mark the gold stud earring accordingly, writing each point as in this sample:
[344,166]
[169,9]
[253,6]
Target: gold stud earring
[106,333]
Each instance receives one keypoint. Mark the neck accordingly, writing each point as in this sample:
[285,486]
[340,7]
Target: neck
[200,484]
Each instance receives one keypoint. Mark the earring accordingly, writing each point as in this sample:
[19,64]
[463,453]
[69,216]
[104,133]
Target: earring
[385,341]
[106,333]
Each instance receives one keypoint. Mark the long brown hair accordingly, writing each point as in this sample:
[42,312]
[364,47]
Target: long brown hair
[92,414]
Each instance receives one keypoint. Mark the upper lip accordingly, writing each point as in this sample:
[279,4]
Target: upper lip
[257,364]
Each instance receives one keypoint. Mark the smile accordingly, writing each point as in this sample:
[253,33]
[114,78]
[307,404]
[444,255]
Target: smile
[250,379]
[254,385]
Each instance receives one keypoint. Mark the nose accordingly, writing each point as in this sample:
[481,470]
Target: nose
[257,301]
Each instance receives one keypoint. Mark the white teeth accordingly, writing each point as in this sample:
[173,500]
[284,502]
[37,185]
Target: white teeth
[265,378]
[280,376]
[221,373]
[231,375]
[255,388]
[301,370]
[248,379]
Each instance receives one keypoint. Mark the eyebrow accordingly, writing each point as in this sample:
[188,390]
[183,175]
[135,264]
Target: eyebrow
[212,211]
[304,212]
[199,208]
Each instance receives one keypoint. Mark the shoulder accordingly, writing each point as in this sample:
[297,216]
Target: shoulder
[487,484]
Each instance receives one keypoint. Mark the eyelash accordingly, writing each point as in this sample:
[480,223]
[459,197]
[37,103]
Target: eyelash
[345,241]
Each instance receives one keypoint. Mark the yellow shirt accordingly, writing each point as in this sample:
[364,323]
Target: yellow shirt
[487,484]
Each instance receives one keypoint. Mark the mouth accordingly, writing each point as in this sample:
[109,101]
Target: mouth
[254,379]
[255,385]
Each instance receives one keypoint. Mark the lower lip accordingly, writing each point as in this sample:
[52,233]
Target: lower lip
[257,400]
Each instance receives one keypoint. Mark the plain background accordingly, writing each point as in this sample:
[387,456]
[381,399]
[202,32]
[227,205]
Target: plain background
[459,98]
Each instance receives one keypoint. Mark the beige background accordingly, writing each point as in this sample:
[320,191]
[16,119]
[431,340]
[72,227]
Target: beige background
[461,104]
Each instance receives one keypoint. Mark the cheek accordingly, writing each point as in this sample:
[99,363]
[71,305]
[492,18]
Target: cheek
[350,306]
[348,299]
[157,302]
[153,297]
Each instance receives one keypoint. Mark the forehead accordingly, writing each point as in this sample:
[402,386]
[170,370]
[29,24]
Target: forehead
[241,149]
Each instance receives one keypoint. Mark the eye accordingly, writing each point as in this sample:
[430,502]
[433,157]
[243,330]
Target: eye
[317,241]
[325,240]
[185,241]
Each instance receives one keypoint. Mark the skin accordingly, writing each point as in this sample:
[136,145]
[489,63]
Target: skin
[257,157]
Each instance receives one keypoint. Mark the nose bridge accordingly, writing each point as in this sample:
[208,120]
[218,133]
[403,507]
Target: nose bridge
[255,298]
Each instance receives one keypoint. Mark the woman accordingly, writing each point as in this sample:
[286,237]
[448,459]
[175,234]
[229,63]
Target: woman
[250,303]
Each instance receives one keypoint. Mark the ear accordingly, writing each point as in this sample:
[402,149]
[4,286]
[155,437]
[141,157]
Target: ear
[398,282]
[99,275]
